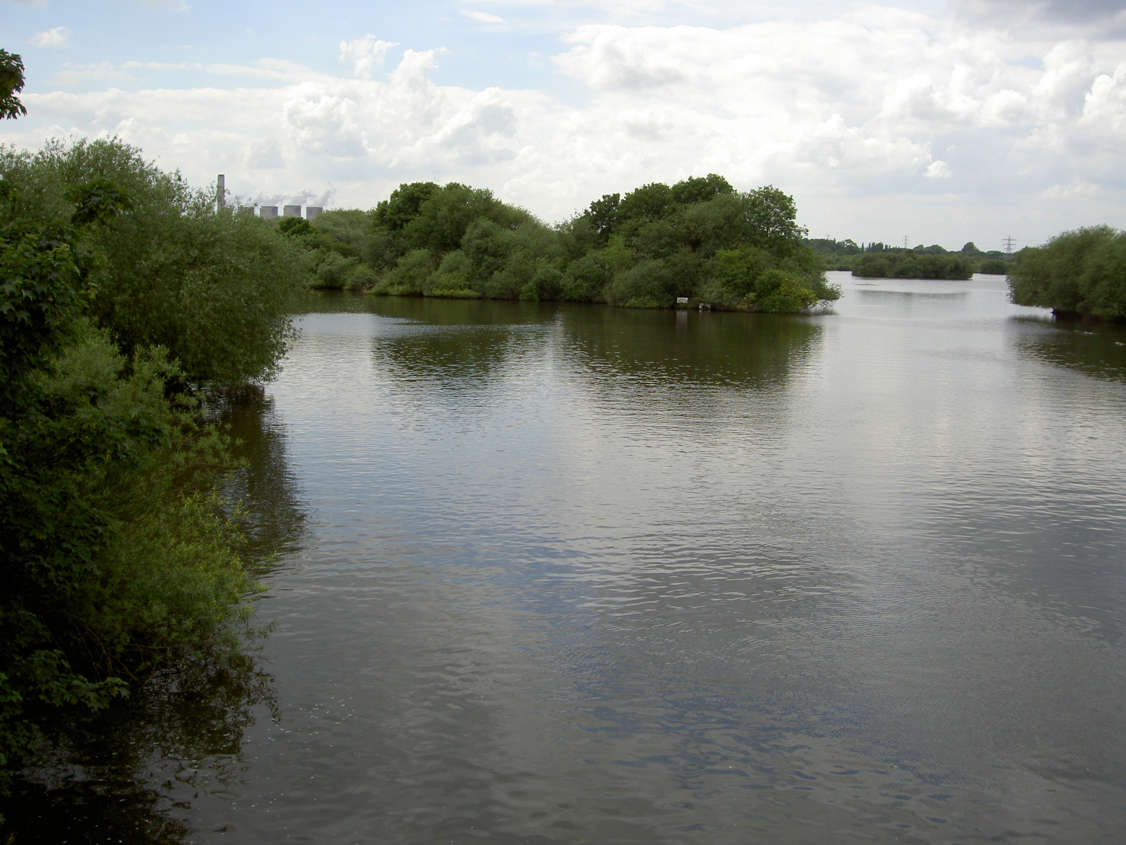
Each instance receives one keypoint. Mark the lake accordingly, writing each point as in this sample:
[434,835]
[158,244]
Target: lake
[576,574]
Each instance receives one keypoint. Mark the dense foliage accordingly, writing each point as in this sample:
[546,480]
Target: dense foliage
[912,265]
[698,239]
[120,290]
[1077,273]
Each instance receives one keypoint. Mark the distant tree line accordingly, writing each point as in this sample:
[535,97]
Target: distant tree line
[878,260]
[699,239]
[1078,273]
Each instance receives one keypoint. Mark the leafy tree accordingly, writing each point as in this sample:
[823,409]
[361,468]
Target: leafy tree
[770,218]
[454,276]
[213,289]
[650,283]
[700,189]
[602,215]
[642,250]
[644,205]
[403,205]
[410,274]
[118,561]
[295,227]
[993,266]
[585,279]
[344,230]
[487,246]
[446,214]
[733,276]
[1082,272]
[11,83]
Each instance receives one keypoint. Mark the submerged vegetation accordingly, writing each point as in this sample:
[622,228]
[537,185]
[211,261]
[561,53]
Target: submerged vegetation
[699,240]
[125,300]
[1080,273]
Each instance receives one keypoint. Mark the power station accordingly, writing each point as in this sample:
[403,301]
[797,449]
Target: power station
[266,212]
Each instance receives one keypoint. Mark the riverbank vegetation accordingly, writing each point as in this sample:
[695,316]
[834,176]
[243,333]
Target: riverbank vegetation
[699,240]
[1081,273]
[125,303]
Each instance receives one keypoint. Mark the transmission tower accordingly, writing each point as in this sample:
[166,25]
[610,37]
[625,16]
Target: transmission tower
[1008,242]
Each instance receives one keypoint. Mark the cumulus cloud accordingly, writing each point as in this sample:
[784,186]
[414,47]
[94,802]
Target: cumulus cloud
[616,57]
[365,54]
[325,123]
[938,170]
[1104,105]
[56,36]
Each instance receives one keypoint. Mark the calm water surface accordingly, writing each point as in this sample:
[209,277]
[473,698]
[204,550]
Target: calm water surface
[591,575]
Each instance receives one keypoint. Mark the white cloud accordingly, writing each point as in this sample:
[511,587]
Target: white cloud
[278,70]
[1104,106]
[56,36]
[483,17]
[365,54]
[79,75]
[171,5]
[325,123]
[938,170]
[1075,190]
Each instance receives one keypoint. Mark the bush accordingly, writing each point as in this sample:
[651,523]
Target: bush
[651,283]
[410,274]
[118,558]
[213,289]
[585,279]
[119,284]
[1081,272]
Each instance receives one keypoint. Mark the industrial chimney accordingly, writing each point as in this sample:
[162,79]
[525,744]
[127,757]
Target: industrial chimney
[221,193]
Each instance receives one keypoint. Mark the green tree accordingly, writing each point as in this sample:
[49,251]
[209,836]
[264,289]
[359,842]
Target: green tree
[117,558]
[213,289]
[770,218]
[404,204]
[697,189]
[1082,272]
[603,216]
[11,83]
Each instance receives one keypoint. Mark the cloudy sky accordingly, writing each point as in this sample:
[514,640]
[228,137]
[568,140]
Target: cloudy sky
[935,121]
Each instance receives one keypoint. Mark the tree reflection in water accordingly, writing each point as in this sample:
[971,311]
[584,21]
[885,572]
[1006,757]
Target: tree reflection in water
[129,777]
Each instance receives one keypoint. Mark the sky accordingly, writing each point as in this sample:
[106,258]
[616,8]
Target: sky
[918,121]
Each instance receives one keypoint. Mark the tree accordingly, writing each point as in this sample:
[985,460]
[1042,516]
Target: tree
[117,560]
[771,216]
[700,188]
[212,289]
[403,205]
[1082,272]
[11,83]
[603,216]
